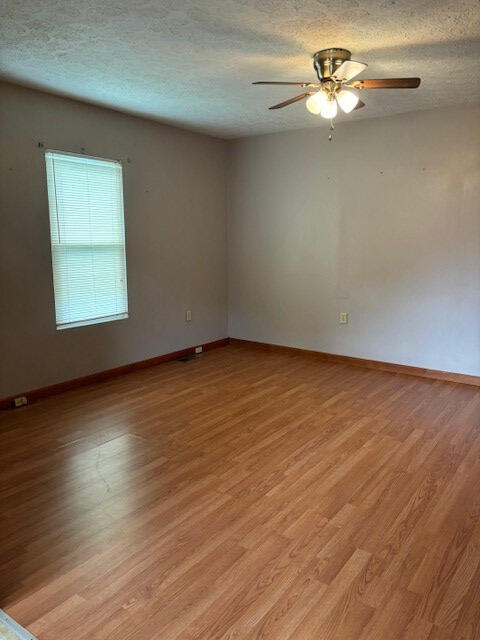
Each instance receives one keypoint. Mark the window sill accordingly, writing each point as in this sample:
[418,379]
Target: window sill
[84,323]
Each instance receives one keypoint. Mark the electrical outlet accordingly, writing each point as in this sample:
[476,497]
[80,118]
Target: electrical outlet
[198,349]
[343,318]
[188,315]
[21,401]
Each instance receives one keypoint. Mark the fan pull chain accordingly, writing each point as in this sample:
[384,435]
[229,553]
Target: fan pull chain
[332,128]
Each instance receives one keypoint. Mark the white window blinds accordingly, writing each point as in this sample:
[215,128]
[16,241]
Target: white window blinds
[88,239]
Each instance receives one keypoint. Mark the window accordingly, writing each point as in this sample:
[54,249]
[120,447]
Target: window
[88,239]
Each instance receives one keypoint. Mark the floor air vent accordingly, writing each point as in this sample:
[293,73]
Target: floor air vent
[189,356]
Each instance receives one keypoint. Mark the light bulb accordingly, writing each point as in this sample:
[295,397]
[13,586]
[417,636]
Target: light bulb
[329,108]
[314,103]
[347,100]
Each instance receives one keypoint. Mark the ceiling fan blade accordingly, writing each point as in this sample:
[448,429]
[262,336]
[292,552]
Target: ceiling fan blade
[386,83]
[295,84]
[348,70]
[301,96]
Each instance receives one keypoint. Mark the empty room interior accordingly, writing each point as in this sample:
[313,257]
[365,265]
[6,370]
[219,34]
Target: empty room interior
[240,320]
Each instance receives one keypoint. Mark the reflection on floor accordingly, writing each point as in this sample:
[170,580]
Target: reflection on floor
[244,494]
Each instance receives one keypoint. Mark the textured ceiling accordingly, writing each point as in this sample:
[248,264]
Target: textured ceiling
[191,62]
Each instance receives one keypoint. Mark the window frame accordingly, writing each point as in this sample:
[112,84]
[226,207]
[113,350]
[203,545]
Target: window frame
[61,326]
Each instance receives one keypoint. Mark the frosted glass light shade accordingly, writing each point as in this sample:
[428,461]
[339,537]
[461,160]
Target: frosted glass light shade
[347,100]
[329,108]
[314,103]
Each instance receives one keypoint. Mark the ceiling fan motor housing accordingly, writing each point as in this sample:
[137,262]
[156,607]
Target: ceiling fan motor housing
[327,61]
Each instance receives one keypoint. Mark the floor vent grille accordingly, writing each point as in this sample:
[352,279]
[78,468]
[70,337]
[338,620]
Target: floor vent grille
[186,358]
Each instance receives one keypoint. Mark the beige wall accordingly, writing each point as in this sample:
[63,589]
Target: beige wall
[175,214]
[383,222]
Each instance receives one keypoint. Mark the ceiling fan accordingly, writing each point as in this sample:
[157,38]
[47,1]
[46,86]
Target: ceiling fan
[336,71]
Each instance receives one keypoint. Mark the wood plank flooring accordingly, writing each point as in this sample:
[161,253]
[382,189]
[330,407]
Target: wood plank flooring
[244,494]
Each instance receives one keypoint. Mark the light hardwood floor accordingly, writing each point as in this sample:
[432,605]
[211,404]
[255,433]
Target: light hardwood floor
[244,494]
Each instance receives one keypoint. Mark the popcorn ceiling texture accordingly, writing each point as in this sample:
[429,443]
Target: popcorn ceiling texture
[191,62]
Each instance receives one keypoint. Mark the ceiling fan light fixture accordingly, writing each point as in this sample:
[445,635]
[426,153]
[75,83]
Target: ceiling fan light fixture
[315,102]
[347,100]
[335,71]
[329,108]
